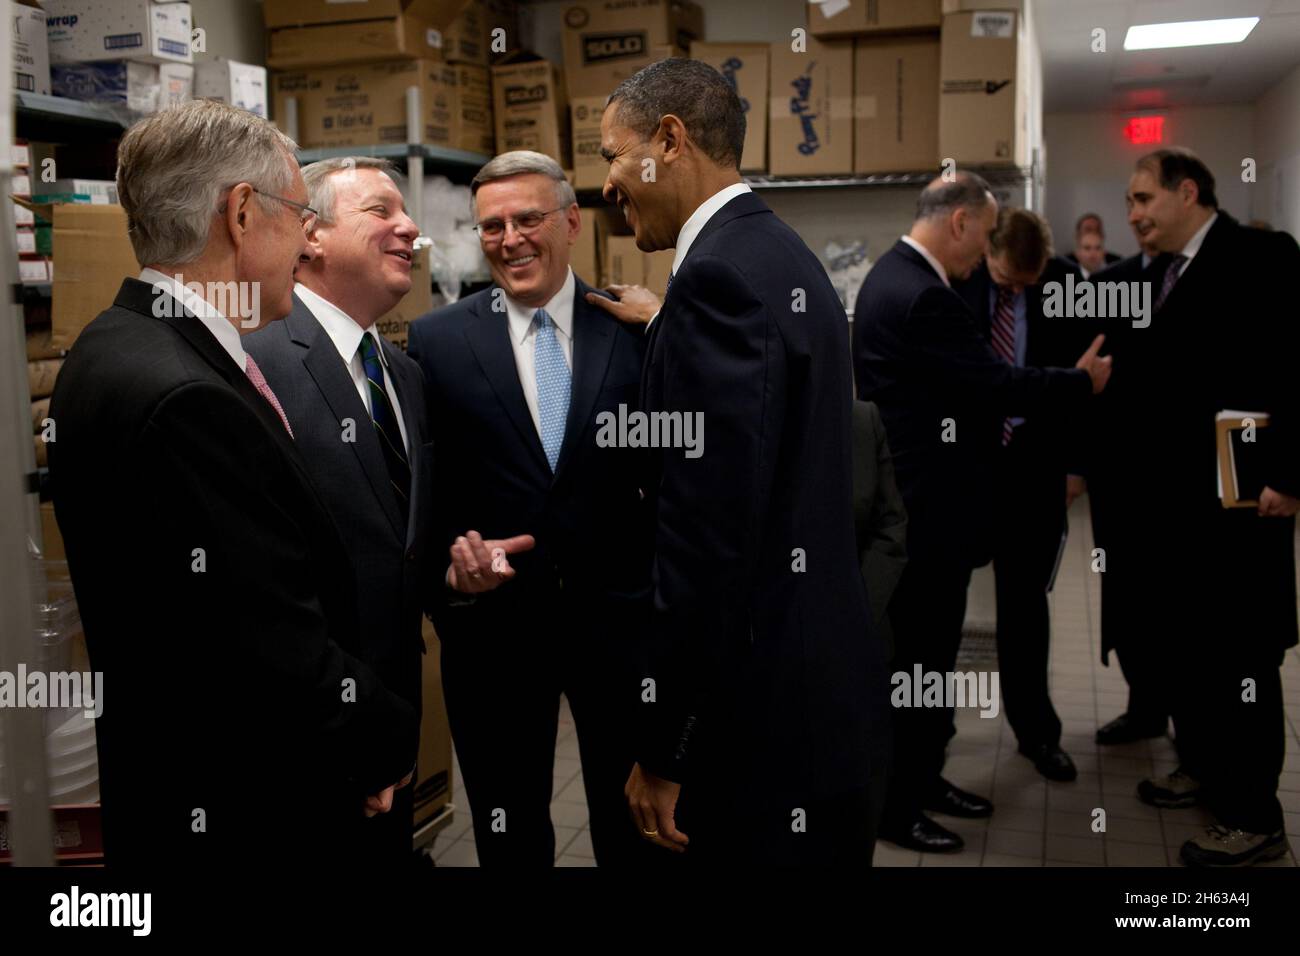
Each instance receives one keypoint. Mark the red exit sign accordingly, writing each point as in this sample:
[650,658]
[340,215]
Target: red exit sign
[1145,129]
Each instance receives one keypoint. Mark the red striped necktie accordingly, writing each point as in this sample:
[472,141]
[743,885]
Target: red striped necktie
[1004,339]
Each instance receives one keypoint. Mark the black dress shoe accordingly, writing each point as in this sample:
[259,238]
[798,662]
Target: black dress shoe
[956,802]
[924,835]
[1051,761]
[1125,729]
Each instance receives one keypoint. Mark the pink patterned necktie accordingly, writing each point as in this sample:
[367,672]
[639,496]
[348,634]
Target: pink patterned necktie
[259,382]
[1004,339]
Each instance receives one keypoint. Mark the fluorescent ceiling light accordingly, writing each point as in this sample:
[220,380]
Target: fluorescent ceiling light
[1160,36]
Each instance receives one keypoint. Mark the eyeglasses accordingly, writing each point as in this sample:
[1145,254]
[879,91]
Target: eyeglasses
[307,213]
[531,221]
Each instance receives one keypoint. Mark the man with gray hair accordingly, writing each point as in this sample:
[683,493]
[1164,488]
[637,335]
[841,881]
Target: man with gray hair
[945,393]
[357,407]
[216,594]
[551,602]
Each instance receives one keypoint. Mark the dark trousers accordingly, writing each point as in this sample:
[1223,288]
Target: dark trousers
[728,826]
[1234,747]
[1030,522]
[926,612]
[503,672]
[1147,696]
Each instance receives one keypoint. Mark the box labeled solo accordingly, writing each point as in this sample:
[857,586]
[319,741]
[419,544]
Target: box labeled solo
[531,109]
[603,39]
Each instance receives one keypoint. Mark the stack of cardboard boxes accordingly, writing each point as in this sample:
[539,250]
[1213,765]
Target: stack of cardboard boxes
[136,54]
[349,65]
[930,79]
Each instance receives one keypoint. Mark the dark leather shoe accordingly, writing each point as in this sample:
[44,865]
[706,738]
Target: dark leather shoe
[1125,730]
[956,802]
[924,835]
[1051,761]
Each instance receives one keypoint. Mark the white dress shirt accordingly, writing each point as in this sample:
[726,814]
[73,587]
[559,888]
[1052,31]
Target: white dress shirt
[227,335]
[523,339]
[346,336]
[934,263]
[1194,244]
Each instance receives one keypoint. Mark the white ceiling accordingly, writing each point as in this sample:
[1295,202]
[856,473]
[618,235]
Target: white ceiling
[1075,78]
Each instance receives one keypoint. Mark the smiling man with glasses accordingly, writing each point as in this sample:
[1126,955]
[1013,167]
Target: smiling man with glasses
[517,375]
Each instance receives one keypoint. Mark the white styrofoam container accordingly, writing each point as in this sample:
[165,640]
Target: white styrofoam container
[239,84]
[31,49]
[91,30]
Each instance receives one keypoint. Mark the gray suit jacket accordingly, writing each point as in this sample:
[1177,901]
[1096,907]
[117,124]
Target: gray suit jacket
[879,517]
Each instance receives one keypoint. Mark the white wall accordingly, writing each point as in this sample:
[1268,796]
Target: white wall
[1089,163]
[1277,150]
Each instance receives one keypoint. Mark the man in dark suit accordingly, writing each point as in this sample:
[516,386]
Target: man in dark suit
[519,376]
[1103,476]
[357,408]
[206,566]
[1214,588]
[1005,295]
[764,704]
[944,394]
[1089,253]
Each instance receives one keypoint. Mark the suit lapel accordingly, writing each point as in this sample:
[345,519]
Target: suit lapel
[488,336]
[326,368]
[593,344]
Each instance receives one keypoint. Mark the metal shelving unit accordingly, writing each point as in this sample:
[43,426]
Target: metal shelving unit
[61,109]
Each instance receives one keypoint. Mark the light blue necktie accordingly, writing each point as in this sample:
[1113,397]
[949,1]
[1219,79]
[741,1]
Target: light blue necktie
[553,382]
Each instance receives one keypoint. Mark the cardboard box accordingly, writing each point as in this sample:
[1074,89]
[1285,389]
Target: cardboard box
[407,37]
[465,39]
[433,780]
[366,104]
[961,6]
[52,547]
[531,109]
[93,253]
[895,104]
[622,263]
[982,103]
[607,41]
[811,119]
[34,270]
[89,30]
[396,324]
[31,49]
[745,65]
[589,169]
[841,18]
[583,258]
[41,375]
[239,84]
[39,345]
[298,13]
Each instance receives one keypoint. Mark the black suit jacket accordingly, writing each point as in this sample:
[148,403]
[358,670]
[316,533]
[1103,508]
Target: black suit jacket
[388,546]
[219,603]
[879,517]
[769,674]
[589,520]
[1223,339]
[920,355]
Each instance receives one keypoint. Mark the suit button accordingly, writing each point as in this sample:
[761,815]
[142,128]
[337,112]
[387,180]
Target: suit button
[410,555]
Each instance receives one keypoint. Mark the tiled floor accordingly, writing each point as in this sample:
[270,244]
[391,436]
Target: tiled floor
[1035,823]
